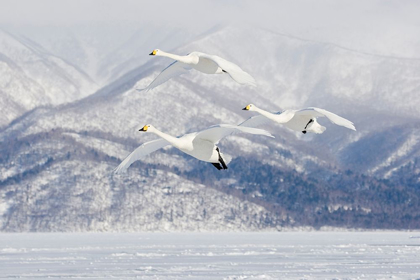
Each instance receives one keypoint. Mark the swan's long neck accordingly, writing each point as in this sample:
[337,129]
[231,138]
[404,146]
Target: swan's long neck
[184,59]
[264,113]
[167,137]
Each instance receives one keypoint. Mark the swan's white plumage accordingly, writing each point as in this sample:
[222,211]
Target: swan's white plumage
[209,64]
[141,152]
[232,69]
[317,112]
[256,121]
[217,132]
[201,145]
[174,69]
[296,119]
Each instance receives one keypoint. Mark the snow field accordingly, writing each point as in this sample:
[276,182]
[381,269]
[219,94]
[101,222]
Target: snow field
[280,255]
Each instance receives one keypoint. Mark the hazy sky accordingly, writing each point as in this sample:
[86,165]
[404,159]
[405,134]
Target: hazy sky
[190,12]
[390,27]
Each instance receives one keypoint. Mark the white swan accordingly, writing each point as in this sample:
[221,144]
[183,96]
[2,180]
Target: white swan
[206,63]
[299,120]
[201,145]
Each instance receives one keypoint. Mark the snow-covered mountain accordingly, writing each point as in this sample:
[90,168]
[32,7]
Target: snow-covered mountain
[105,51]
[56,174]
[31,77]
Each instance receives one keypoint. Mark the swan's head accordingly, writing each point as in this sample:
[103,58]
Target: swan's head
[249,107]
[155,52]
[147,127]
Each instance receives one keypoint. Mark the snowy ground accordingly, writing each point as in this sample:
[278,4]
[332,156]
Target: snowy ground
[286,255]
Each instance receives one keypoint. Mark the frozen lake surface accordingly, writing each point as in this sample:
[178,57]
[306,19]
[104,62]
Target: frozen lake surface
[283,255]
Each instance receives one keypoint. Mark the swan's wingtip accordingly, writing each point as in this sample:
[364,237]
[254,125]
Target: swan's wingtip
[118,170]
[143,89]
[352,127]
[251,83]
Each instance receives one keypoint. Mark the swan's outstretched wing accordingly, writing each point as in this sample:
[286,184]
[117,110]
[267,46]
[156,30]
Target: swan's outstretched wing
[173,70]
[317,112]
[255,121]
[232,69]
[140,152]
[216,132]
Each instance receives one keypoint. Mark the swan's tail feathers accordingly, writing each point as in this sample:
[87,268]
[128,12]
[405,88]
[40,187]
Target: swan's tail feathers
[321,129]
[315,127]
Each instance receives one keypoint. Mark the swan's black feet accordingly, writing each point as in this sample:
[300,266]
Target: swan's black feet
[217,165]
[310,121]
[221,161]
[304,132]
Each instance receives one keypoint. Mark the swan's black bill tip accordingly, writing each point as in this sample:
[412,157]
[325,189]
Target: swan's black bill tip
[151,53]
[244,109]
[304,132]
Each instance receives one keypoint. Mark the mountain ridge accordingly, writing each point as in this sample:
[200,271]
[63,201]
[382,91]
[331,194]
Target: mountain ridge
[62,156]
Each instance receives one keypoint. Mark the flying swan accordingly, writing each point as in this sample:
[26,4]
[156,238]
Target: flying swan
[206,63]
[201,145]
[303,120]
